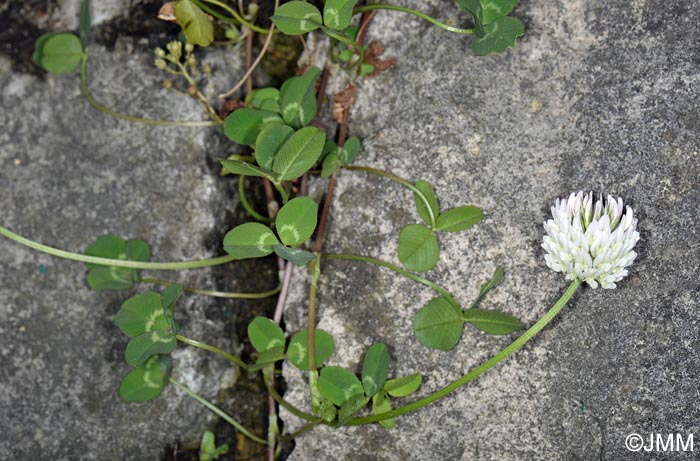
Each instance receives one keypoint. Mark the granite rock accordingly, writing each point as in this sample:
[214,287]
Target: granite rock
[597,96]
[70,174]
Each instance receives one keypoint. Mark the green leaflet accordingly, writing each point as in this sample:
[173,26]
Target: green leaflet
[296,17]
[298,350]
[438,325]
[208,451]
[301,151]
[298,98]
[337,14]
[296,256]
[375,369]
[145,382]
[148,344]
[264,334]
[58,53]
[244,125]
[499,36]
[495,31]
[492,322]
[194,22]
[296,221]
[459,219]
[418,248]
[339,385]
[269,141]
[406,385]
[424,211]
[114,247]
[250,240]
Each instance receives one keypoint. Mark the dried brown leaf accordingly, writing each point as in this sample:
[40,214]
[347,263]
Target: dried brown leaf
[230,105]
[374,51]
[343,101]
[167,12]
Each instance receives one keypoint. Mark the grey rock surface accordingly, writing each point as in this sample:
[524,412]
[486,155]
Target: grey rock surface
[70,174]
[597,96]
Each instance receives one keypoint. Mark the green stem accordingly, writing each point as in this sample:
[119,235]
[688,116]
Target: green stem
[478,371]
[234,14]
[313,290]
[219,412]
[300,432]
[209,10]
[342,38]
[401,181]
[246,204]
[215,294]
[241,158]
[402,9]
[231,358]
[288,406]
[398,270]
[148,121]
[180,265]
[280,189]
[315,393]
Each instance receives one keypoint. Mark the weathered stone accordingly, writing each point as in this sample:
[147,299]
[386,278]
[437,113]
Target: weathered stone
[70,174]
[597,96]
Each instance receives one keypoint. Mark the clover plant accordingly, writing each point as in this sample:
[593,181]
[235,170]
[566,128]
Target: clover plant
[590,241]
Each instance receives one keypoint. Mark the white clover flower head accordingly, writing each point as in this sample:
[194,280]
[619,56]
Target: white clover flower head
[591,241]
